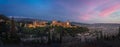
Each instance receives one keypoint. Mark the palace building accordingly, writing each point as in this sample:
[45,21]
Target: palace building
[43,24]
[37,24]
[63,24]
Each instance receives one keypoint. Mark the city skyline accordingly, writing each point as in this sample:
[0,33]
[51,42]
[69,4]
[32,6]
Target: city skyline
[86,11]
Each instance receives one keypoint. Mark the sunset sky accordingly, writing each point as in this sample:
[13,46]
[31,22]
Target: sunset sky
[86,11]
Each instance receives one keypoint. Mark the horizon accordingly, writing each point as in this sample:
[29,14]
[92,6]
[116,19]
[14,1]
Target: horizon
[82,11]
[63,21]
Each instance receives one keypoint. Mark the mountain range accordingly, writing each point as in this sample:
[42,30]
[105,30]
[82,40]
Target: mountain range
[27,20]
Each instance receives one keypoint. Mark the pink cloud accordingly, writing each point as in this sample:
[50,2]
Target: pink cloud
[110,10]
[88,10]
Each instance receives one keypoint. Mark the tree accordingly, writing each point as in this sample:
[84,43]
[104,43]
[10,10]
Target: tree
[7,30]
[49,35]
[61,31]
[119,31]
[4,27]
[3,17]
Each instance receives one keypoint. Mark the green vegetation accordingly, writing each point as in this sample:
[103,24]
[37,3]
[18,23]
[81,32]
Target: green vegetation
[7,35]
[53,33]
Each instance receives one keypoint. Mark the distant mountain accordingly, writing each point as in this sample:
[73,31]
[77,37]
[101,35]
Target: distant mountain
[79,24]
[27,20]
[30,20]
[106,24]
[96,24]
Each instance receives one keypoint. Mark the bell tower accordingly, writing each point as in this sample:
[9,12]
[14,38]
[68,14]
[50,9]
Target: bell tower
[67,23]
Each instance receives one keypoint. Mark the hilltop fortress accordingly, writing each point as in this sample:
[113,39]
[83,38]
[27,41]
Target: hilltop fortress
[35,24]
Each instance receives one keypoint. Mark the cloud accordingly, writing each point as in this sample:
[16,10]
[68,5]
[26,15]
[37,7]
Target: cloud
[106,12]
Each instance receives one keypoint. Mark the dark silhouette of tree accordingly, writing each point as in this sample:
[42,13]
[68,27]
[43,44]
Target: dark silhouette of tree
[119,31]
[7,30]
[3,24]
[3,17]
[13,27]
[4,27]
[60,30]
[13,36]
[49,35]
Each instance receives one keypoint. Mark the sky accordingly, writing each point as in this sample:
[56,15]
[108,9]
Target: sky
[85,11]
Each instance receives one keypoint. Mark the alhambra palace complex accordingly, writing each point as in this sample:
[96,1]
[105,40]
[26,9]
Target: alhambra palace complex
[43,24]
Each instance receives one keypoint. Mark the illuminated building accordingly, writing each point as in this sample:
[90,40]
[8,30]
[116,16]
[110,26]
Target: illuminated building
[37,24]
[43,24]
[64,24]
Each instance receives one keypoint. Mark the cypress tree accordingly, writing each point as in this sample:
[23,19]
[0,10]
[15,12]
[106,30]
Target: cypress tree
[119,31]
